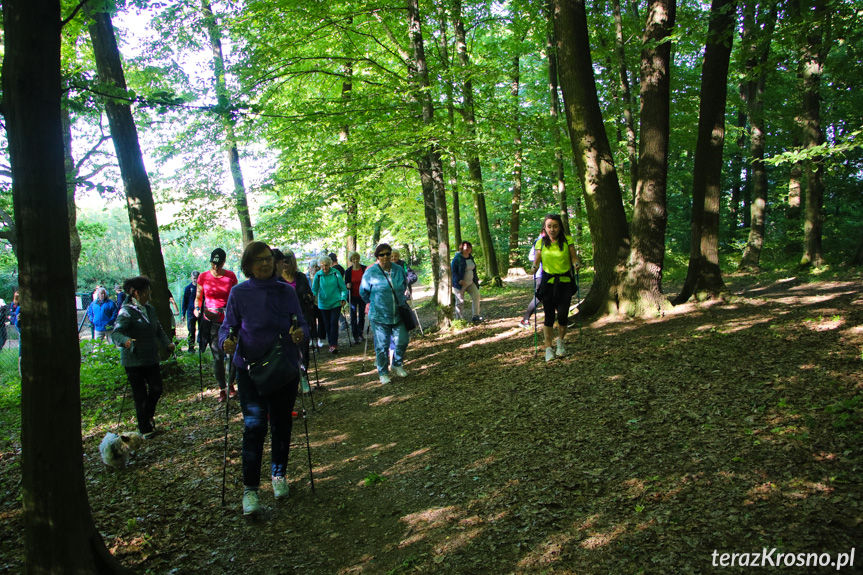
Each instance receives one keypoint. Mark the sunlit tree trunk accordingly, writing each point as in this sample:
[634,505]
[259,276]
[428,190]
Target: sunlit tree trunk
[593,157]
[139,195]
[703,278]
[59,533]
[226,114]
[558,178]
[431,168]
[815,17]
[642,290]
[626,98]
[443,47]
[71,184]
[757,65]
[515,204]
[474,166]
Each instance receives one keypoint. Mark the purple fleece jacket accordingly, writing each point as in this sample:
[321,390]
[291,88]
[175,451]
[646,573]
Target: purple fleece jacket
[261,310]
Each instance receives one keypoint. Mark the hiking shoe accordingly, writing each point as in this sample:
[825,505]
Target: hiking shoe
[232,391]
[304,383]
[561,349]
[399,371]
[223,395]
[149,435]
[251,503]
[475,319]
[549,354]
[320,343]
[525,323]
[280,487]
[385,378]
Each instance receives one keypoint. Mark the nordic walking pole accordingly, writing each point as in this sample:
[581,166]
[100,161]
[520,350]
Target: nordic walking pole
[231,370]
[308,443]
[535,338]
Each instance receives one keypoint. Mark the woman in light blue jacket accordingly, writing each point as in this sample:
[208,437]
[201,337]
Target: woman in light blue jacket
[383,288]
[330,291]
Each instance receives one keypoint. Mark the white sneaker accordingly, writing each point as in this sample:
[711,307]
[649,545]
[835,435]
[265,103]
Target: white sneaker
[399,371]
[561,349]
[549,354]
[321,343]
[385,378]
[251,503]
[280,487]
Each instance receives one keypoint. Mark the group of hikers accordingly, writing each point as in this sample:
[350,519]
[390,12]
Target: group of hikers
[267,324]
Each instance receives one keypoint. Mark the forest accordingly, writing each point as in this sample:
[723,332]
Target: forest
[705,157]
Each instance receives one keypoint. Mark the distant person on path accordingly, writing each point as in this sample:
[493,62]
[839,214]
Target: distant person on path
[287,271]
[120,296]
[556,253]
[465,280]
[319,329]
[214,286]
[383,288]
[353,278]
[187,309]
[331,293]
[260,311]
[411,275]
[138,335]
[341,270]
[537,277]
[102,314]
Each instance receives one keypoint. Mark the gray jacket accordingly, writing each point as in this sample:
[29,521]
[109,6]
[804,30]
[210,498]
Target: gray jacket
[146,331]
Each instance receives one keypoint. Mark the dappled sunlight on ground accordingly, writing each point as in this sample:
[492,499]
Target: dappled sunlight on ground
[391,399]
[498,337]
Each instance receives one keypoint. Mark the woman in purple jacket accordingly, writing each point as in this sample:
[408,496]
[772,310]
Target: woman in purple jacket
[259,311]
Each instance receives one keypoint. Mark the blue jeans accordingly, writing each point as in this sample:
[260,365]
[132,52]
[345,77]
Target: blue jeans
[384,334]
[358,316]
[331,323]
[278,409]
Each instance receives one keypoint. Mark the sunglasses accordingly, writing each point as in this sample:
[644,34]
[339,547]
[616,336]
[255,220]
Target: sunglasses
[385,255]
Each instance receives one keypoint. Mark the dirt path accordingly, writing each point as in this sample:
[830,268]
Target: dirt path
[731,427]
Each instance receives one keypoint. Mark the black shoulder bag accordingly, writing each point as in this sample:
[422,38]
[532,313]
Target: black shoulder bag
[274,370]
[406,312]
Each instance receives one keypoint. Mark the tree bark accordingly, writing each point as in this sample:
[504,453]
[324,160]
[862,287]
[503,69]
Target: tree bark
[642,290]
[225,113]
[515,204]
[139,195]
[632,151]
[558,178]
[757,65]
[431,172]
[71,185]
[59,533]
[813,54]
[703,278]
[593,157]
[474,166]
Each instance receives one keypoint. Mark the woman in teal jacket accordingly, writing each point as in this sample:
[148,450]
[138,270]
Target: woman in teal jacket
[330,291]
[383,288]
[138,334]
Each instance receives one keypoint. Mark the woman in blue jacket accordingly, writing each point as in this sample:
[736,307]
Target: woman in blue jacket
[331,293]
[383,288]
[102,314]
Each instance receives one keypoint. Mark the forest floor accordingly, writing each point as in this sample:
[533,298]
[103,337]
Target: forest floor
[732,427]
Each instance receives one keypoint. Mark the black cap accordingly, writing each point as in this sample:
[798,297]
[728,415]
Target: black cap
[333,257]
[218,256]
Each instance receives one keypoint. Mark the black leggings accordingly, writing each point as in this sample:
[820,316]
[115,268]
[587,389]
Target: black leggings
[146,384]
[557,298]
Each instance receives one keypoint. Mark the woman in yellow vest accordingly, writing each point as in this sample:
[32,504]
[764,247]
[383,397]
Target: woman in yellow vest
[556,252]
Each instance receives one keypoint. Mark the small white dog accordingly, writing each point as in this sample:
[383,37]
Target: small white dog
[116,449]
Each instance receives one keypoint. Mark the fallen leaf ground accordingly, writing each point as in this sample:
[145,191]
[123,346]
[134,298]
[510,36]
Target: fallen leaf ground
[733,427]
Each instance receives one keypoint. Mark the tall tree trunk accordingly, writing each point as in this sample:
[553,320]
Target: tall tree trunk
[71,184]
[240,201]
[348,192]
[59,533]
[593,157]
[703,278]
[474,166]
[450,108]
[515,205]
[558,178]
[431,167]
[626,98]
[757,65]
[795,190]
[814,52]
[139,195]
[642,292]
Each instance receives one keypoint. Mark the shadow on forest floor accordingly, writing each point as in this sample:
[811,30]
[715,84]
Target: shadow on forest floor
[731,426]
